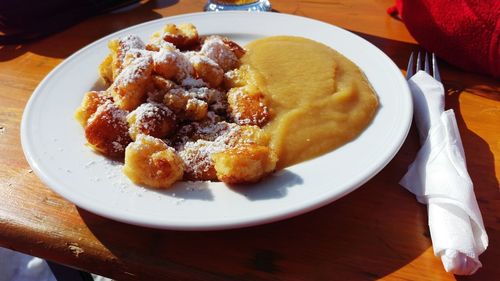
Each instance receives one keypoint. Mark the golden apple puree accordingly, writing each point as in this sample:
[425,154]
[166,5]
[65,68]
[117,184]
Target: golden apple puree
[319,99]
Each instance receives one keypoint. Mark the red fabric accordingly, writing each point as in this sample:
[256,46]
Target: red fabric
[465,33]
[393,10]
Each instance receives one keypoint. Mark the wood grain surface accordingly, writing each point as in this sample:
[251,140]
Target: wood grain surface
[376,232]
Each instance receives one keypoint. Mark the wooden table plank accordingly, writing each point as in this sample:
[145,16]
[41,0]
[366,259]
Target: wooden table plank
[379,231]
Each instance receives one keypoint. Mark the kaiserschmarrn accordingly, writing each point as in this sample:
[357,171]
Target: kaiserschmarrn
[174,109]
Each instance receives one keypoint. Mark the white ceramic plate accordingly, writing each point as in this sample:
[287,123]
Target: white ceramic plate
[54,142]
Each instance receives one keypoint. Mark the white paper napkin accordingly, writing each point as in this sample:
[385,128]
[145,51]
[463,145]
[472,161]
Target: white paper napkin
[15,266]
[439,178]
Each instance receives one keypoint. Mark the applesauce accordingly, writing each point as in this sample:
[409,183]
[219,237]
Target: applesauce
[319,99]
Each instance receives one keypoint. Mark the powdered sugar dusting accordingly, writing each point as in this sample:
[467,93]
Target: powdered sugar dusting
[212,138]
[135,71]
[215,49]
[117,146]
[131,42]
[164,55]
[185,68]
[128,43]
[198,58]
[191,82]
[248,110]
[151,118]
[117,117]
[150,111]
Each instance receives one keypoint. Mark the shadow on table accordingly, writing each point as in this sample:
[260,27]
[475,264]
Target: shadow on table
[65,43]
[272,187]
[364,235]
[370,233]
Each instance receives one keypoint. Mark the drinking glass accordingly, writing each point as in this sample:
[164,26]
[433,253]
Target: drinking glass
[238,5]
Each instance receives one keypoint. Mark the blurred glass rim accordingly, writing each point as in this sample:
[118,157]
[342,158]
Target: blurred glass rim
[238,5]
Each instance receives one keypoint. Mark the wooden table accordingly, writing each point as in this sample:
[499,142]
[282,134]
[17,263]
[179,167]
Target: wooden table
[378,231]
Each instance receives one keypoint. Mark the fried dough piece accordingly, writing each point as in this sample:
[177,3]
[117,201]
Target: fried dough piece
[208,70]
[107,130]
[186,105]
[196,142]
[246,158]
[130,87]
[163,85]
[172,65]
[237,50]
[106,70]
[152,119]
[247,108]
[151,162]
[214,48]
[196,110]
[245,163]
[240,77]
[156,43]
[160,87]
[91,101]
[112,65]
[183,36]
[177,100]
[248,134]
[203,142]
[197,162]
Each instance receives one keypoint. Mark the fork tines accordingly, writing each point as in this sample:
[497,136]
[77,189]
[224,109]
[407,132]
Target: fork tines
[411,70]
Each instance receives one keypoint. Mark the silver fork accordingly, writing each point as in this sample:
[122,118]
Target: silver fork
[411,70]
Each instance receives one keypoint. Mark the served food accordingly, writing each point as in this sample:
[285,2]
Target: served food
[190,107]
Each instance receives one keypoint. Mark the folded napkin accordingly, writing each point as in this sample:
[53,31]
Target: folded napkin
[15,266]
[465,33]
[439,178]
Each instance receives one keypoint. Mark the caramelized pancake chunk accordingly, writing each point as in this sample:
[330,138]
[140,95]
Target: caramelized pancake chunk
[91,101]
[204,141]
[172,65]
[113,63]
[247,108]
[188,105]
[214,48]
[130,87]
[107,130]
[237,50]
[182,36]
[152,119]
[245,163]
[151,162]
[206,69]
